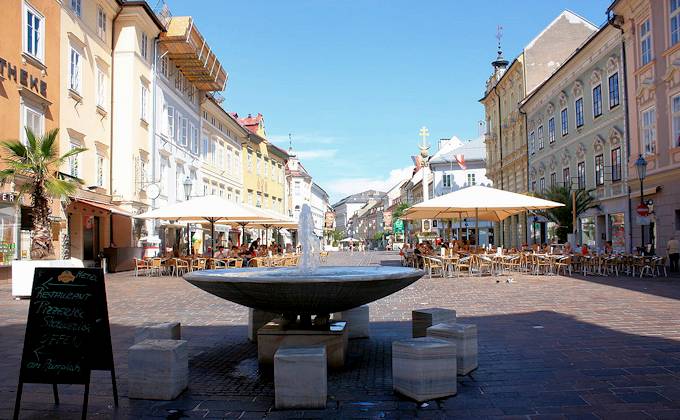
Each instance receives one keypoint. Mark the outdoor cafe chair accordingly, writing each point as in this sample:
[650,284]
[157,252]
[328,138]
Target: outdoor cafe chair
[198,264]
[141,265]
[181,266]
[155,266]
[463,263]
[432,264]
[563,263]
[482,264]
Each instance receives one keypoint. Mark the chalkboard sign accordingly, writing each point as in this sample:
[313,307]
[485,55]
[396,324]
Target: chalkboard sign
[67,332]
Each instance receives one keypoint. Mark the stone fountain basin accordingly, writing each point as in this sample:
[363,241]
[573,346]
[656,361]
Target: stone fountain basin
[325,290]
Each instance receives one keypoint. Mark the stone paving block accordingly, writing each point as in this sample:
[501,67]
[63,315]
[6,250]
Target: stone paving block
[422,319]
[158,369]
[465,338]
[162,331]
[256,320]
[300,377]
[424,368]
[357,321]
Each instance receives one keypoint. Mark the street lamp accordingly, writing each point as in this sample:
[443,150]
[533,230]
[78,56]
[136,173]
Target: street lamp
[641,166]
[187,187]
[187,193]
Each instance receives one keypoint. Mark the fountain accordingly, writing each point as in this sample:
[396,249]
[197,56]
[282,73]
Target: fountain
[301,293]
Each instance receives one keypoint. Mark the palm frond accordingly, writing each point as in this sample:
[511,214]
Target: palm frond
[59,188]
[14,149]
[74,151]
[47,147]
[7,175]
[31,141]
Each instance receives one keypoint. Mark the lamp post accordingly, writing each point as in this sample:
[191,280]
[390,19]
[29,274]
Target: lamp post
[187,193]
[535,228]
[641,166]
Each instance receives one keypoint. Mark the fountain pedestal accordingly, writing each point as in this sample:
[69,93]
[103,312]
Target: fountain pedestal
[279,333]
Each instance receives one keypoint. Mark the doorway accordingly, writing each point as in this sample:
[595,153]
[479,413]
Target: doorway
[90,238]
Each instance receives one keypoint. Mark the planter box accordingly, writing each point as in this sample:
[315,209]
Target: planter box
[22,273]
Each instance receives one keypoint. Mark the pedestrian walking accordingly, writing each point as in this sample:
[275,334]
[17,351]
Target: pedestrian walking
[673,250]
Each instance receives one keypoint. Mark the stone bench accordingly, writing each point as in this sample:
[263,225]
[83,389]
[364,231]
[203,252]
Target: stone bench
[300,377]
[424,368]
[158,369]
[465,338]
[163,331]
[357,321]
[422,319]
[256,320]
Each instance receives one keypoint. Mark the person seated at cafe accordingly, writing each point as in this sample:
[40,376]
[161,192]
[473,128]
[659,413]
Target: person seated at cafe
[567,249]
[608,248]
[208,252]
[584,250]
[254,245]
[221,252]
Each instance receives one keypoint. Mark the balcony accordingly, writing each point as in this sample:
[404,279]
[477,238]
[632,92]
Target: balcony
[188,50]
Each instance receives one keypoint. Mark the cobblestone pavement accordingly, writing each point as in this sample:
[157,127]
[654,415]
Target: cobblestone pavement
[550,347]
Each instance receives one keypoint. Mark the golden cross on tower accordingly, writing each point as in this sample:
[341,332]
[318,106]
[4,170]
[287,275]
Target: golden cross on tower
[424,134]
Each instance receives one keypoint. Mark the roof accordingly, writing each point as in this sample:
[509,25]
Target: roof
[250,122]
[472,150]
[362,197]
[145,6]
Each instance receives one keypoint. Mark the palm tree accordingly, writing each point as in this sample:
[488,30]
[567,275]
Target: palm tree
[36,164]
[563,216]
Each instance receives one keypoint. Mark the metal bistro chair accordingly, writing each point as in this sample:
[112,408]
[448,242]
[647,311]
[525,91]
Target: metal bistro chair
[463,264]
[155,267]
[433,264]
[181,266]
[198,264]
[141,265]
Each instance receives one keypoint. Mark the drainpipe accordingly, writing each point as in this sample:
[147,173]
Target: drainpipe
[500,145]
[111,126]
[526,214]
[617,23]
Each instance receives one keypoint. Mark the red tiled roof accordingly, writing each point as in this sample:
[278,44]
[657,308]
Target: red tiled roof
[251,123]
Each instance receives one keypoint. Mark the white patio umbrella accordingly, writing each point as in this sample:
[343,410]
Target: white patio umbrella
[210,208]
[482,203]
[349,240]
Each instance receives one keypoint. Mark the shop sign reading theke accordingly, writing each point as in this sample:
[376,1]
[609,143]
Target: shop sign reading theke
[19,75]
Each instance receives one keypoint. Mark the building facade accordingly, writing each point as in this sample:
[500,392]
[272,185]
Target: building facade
[576,138]
[30,81]
[320,206]
[652,68]
[507,156]
[348,206]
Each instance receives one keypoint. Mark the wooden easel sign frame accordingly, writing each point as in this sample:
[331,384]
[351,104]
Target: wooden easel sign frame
[67,332]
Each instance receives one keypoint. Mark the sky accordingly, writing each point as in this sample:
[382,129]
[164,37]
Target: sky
[354,81]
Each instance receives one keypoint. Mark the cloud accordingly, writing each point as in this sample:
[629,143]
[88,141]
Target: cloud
[343,187]
[315,154]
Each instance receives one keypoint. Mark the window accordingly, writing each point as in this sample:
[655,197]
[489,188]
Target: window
[533,186]
[613,90]
[258,164]
[471,180]
[250,161]
[578,105]
[296,188]
[581,175]
[74,71]
[205,147]
[649,130]
[76,6]
[553,180]
[164,66]
[184,131]
[645,42]
[34,33]
[551,130]
[144,45]
[171,122]
[266,168]
[565,121]
[446,180]
[675,21]
[144,103]
[73,162]
[541,184]
[616,164]
[566,177]
[532,140]
[101,23]
[599,170]
[100,170]
[101,88]
[194,139]
[597,101]
[33,120]
[675,109]
[540,137]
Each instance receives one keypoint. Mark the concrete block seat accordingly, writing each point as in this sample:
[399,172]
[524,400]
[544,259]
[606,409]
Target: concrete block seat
[300,377]
[256,320]
[465,338]
[357,321]
[422,319]
[158,369]
[424,368]
[162,331]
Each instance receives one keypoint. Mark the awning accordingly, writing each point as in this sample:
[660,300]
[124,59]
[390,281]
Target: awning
[103,206]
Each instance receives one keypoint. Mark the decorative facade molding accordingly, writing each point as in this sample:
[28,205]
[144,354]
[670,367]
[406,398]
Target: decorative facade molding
[598,143]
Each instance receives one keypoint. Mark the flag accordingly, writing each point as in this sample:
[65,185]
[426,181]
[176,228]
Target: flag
[461,161]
